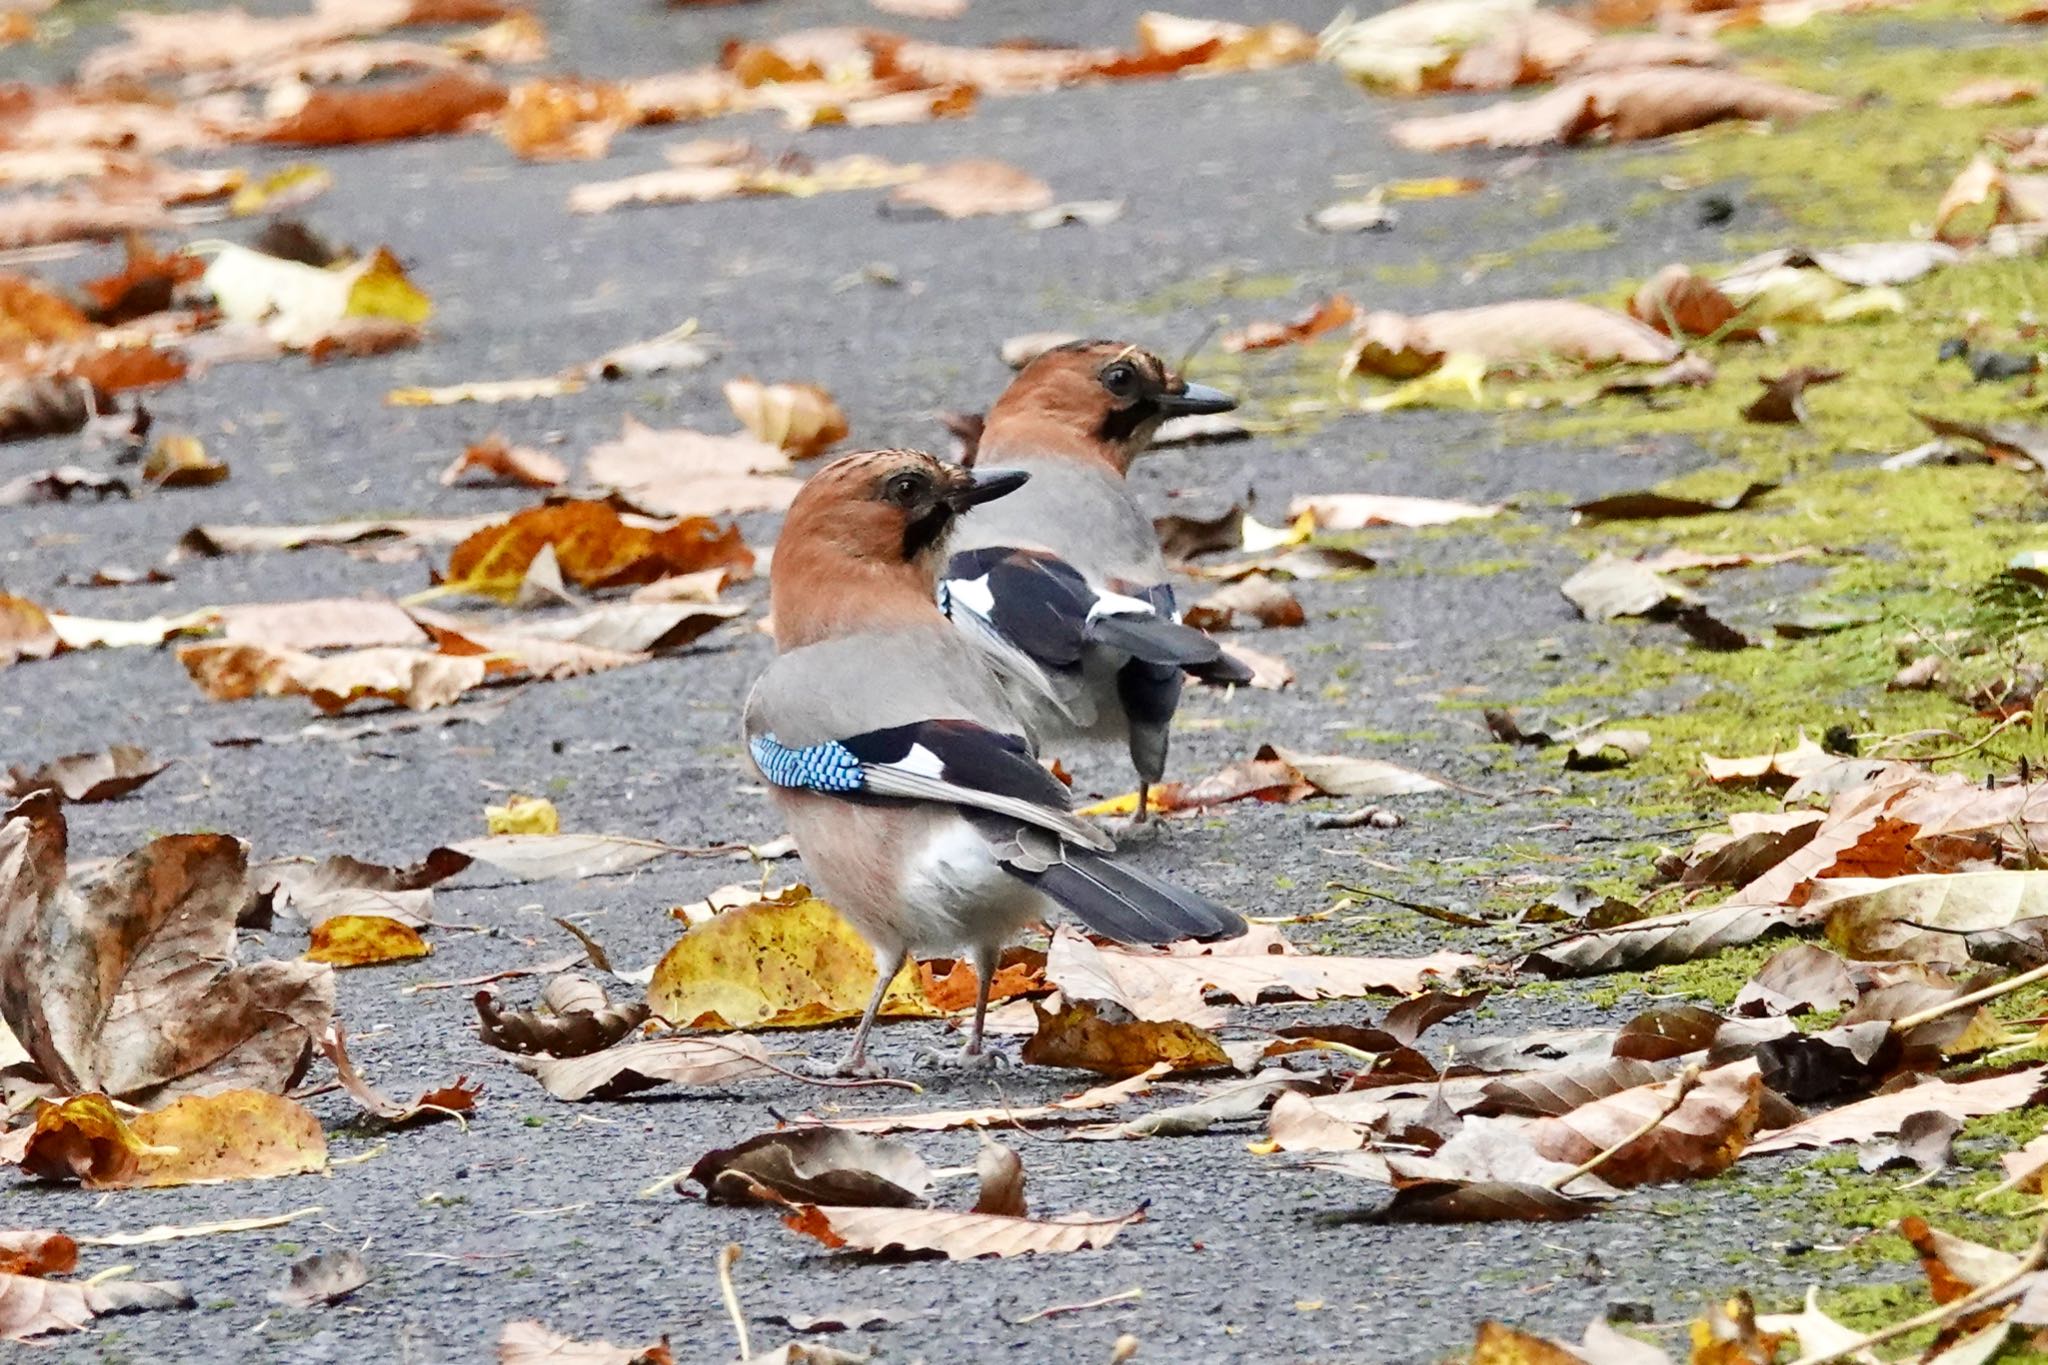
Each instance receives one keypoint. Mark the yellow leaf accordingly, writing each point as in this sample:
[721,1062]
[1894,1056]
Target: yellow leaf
[1127,804]
[1083,1037]
[485,391]
[1459,377]
[233,1135]
[593,547]
[364,941]
[786,962]
[381,290]
[523,815]
[285,188]
[1432,187]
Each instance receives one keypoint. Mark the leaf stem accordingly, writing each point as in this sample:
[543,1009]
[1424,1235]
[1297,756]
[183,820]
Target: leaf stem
[726,1257]
[1914,1020]
[1687,1079]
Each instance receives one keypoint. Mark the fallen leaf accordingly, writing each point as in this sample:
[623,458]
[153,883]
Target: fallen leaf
[89,979]
[680,348]
[212,541]
[547,857]
[594,546]
[786,962]
[1504,335]
[632,1067]
[37,1251]
[968,189]
[1677,302]
[1262,966]
[1702,1137]
[298,305]
[485,391]
[412,678]
[955,1236]
[1326,315]
[501,463]
[364,941]
[89,777]
[325,623]
[1679,937]
[447,1102]
[1357,511]
[562,1031]
[60,485]
[1783,400]
[523,815]
[225,1135]
[1993,90]
[1893,918]
[1001,1176]
[32,1307]
[323,1279]
[42,405]
[1610,588]
[181,461]
[1647,505]
[561,120]
[1884,1113]
[1603,750]
[801,419]
[1798,979]
[1253,600]
[815,1165]
[1367,214]
[433,105]
[677,472]
[1925,1140]
[1615,106]
[1106,1040]
[527,1342]
[1076,212]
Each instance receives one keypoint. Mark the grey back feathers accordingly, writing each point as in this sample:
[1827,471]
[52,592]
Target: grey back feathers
[1081,512]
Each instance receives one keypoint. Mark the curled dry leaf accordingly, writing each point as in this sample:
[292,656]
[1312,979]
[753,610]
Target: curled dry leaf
[1001,1176]
[1327,315]
[632,1067]
[1254,600]
[415,679]
[1663,939]
[1702,1137]
[1524,332]
[527,1342]
[1616,106]
[450,1101]
[37,1251]
[1884,1113]
[1649,505]
[1677,302]
[676,472]
[1611,587]
[441,103]
[969,189]
[595,547]
[33,1307]
[1107,1040]
[786,962]
[351,940]
[1261,966]
[89,777]
[1357,511]
[561,1032]
[324,1278]
[91,981]
[1797,979]
[1899,918]
[801,419]
[815,1165]
[501,463]
[1783,400]
[955,1236]
[226,1135]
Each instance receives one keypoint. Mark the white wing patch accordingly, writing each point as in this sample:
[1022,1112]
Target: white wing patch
[1116,604]
[973,594]
[920,760]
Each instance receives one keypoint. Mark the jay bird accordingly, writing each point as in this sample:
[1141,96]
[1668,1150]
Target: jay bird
[1063,586]
[917,806]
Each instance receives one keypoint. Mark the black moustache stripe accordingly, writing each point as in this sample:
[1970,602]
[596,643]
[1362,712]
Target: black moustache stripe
[921,533]
[1123,423]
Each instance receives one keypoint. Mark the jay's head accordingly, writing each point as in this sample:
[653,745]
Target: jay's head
[864,540]
[1099,399]
[889,506]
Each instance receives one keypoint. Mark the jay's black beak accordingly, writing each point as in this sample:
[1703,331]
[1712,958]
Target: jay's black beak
[1196,398]
[985,485]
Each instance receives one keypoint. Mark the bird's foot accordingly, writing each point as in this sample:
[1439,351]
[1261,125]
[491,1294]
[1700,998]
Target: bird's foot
[1148,829]
[854,1067]
[960,1062]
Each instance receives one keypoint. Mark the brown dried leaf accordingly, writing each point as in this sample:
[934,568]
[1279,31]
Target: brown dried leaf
[86,778]
[969,189]
[37,1251]
[448,1102]
[33,1307]
[801,419]
[412,678]
[1262,965]
[1107,1040]
[1358,511]
[1254,599]
[502,463]
[564,120]
[1677,302]
[1518,334]
[1774,771]
[445,102]
[595,548]
[814,1165]
[638,1066]
[324,1278]
[527,1342]
[324,623]
[130,987]
[1895,918]
[1884,1113]
[1701,1138]
[1617,106]
[1679,937]
[1001,1176]
[676,472]
[956,1236]
[1648,505]
[1327,315]
[1783,400]
[562,1032]
[1797,979]
[42,405]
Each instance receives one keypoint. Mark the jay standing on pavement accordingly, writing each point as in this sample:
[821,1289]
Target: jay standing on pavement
[1062,585]
[917,805]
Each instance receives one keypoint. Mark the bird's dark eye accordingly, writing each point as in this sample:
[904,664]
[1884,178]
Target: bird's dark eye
[1121,380]
[905,490]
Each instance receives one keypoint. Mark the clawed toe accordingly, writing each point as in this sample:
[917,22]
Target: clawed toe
[846,1068]
[961,1062]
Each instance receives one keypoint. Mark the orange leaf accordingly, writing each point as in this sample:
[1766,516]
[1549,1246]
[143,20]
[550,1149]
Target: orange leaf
[441,103]
[595,547]
[365,941]
[31,315]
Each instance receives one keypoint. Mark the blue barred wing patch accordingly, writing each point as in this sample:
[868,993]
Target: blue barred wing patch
[827,767]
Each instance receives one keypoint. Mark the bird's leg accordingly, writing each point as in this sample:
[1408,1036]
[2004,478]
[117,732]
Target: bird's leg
[1144,811]
[856,1063]
[984,977]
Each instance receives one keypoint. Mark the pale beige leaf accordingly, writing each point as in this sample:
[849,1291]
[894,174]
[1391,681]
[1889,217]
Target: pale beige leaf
[324,623]
[1880,1114]
[1356,511]
[957,1236]
[631,1067]
[968,189]
[1879,917]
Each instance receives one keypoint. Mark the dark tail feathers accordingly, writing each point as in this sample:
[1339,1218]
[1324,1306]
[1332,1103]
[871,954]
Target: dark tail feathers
[1157,641]
[1227,671]
[1118,900]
